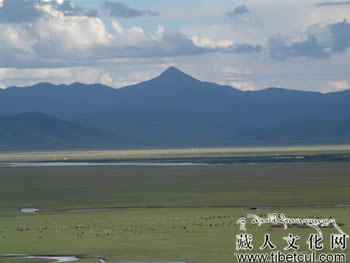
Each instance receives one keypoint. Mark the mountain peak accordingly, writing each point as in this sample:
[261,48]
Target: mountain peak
[172,70]
[173,73]
[43,85]
[77,84]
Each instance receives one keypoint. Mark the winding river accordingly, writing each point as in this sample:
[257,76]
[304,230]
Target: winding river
[75,164]
[63,259]
[58,259]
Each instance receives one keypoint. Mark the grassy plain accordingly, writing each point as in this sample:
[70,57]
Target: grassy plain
[203,235]
[204,232]
[63,188]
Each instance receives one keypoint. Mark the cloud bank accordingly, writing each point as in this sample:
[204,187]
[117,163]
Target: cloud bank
[28,11]
[312,47]
[264,38]
[121,10]
[239,10]
[56,33]
[339,3]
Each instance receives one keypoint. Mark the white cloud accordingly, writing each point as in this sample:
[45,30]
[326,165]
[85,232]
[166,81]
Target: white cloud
[206,42]
[128,77]
[233,70]
[334,86]
[118,27]
[116,75]
[65,35]
[159,34]
[60,40]
[106,79]
[243,85]
[66,44]
[340,85]
[24,77]
[70,34]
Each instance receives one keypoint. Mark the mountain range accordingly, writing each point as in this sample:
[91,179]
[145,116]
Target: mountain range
[170,110]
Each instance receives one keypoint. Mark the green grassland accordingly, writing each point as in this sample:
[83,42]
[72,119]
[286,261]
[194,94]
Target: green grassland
[63,188]
[199,235]
[113,155]
[195,221]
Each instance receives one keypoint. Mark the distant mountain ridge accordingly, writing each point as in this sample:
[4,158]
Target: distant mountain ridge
[57,100]
[177,110]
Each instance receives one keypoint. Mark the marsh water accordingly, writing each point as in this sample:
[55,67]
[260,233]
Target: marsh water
[63,259]
[75,164]
[58,259]
[191,161]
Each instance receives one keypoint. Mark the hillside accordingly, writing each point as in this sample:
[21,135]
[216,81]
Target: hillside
[177,110]
[41,131]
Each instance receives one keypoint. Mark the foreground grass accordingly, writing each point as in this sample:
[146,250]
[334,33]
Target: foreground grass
[198,235]
[203,235]
[282,185]
[115,155]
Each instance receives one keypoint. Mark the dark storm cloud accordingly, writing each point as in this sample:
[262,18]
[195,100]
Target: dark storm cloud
[239,10]
[339,3]
[69,9]
[19,11]
[118,9]
[310,47]
[26,11]
[341,35]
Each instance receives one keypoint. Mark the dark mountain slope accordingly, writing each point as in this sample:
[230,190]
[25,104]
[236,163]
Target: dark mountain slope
[171,109]
[41,131]
[298,132]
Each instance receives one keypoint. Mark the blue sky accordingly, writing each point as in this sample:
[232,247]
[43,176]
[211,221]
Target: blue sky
[249,44]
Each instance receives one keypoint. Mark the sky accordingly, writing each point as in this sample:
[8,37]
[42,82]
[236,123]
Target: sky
[248,44]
